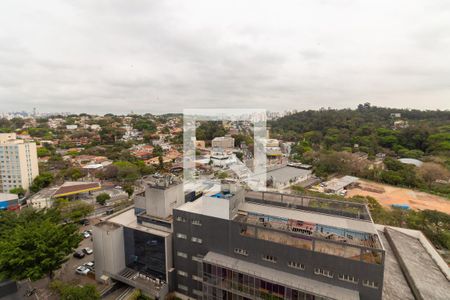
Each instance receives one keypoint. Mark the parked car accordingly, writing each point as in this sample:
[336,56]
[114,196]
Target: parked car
[86,234]
[84,222]
[90,264]
[82,270]
[88,250]
[79,254]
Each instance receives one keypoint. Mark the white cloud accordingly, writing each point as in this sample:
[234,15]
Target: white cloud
[158,56]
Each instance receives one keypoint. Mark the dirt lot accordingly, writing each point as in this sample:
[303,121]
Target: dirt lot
[388,195]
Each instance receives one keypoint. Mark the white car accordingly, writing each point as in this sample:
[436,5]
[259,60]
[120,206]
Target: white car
[89,264]
[82,270]
[88,251]
[86,234]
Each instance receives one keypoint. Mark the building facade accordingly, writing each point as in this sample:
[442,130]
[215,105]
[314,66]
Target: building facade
[223,142]
[274,246]
[18,162]
[135,245]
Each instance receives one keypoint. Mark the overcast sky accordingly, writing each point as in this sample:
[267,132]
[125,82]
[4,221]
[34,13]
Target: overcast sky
[99,56]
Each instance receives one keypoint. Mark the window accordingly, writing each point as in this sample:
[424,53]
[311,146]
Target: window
[348,278]
[241,251]
[269,258]
[181,236]
[196,240]
[196,222]
[296,265]
[182,287]
[197,278]
[181,254]
[182,273]
[323,272]
[371,284]
[197,293]
[181,219]
[198,258]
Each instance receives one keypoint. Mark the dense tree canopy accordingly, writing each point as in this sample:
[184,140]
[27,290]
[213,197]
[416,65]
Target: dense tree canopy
[371,128]
[34,243]
[209,130]
[41,181]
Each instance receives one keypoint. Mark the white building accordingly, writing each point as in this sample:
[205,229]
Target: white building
[71,127]
[18,162]
[224,142]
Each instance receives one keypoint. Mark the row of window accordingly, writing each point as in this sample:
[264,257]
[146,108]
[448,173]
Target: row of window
[194,291]
[345,277]
[198,258]
[291,264]
[186,275]
[317,271]
[193,239]
[193,222]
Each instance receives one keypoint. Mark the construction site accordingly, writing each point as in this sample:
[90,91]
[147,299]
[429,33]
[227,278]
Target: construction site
[389,196]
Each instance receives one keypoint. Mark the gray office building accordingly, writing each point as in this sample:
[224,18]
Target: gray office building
[135,245]
[232,244]
[221,242]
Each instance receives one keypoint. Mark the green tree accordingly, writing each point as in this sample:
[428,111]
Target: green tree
[34,243]
[209,130]
[128,189]
[102,198]
[127,171]
[75,292]
[73,173]
[18,191]
[42,151]
[73,210]
[158,151]
[41,181]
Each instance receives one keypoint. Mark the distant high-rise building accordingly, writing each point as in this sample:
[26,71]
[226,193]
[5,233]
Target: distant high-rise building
[18,162]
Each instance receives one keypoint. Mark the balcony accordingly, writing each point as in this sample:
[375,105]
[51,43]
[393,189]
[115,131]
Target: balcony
[340,242]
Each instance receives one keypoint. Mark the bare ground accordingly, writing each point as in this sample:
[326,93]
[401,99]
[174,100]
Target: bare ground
[387,195]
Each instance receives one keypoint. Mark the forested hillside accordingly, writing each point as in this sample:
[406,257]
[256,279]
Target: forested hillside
[327,139]
[370,127]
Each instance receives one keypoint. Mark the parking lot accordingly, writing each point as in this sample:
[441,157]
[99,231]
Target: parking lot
[67,272]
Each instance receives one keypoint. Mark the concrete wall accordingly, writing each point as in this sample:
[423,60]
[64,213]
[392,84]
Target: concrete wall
[109,252]
[160,202]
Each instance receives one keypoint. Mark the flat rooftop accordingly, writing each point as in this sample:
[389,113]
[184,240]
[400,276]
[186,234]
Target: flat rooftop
[286,279]
[161,181]
[311,217]
[354,210]
[337,184]
[129,219]
[285,174]
[208,206]
[415,261]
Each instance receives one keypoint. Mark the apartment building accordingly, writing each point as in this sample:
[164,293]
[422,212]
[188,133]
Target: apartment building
[18,162]
[233,244]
